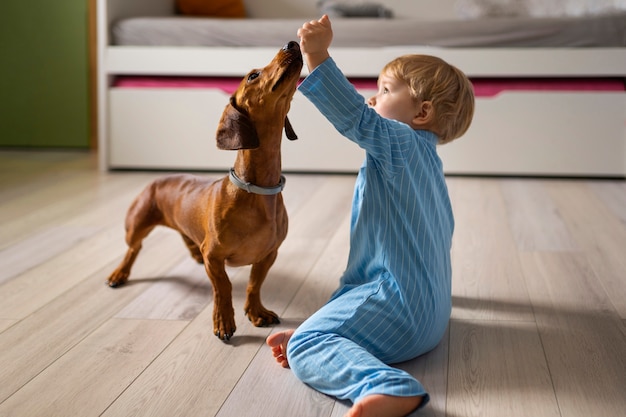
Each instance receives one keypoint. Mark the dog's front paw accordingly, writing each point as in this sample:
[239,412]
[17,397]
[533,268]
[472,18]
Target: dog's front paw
[224,327]
[224,335]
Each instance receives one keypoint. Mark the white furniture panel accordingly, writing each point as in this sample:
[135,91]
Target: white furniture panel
[543,133]
[165,128]
[513,133]
[175,129]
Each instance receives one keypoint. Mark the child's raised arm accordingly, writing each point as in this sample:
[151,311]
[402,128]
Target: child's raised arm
[315,39]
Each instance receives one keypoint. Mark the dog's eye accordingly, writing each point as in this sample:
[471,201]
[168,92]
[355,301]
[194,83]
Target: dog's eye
[253,76]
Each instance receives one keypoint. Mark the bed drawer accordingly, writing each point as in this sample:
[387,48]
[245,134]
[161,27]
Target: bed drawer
[554,133]
[543,133]
[165,128]
[175,129]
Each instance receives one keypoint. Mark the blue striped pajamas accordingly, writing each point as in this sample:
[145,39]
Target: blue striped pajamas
[393,302]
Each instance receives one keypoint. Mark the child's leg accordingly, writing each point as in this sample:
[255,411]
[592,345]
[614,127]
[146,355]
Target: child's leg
[342,349]
[369,406]
[339,367]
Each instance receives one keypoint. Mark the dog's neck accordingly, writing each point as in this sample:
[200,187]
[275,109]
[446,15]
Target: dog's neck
[262,166]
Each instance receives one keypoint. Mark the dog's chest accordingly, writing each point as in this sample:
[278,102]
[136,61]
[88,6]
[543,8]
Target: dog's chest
[260,218]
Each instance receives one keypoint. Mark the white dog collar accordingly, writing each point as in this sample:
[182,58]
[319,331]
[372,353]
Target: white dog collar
[255,189]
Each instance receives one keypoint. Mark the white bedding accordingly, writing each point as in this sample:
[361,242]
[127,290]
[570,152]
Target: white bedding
[581,31]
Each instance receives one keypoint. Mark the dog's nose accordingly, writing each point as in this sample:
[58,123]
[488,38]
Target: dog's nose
[291,45]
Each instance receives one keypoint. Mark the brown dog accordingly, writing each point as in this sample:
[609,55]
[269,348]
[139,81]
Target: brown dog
[237,220]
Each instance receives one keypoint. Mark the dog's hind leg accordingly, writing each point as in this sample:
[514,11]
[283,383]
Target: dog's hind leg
[141,218]
[257,314]
[194,250]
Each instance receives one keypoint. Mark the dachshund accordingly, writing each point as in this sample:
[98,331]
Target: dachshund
[239,219]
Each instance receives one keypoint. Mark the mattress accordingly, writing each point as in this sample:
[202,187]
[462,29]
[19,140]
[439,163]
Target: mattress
[585,31]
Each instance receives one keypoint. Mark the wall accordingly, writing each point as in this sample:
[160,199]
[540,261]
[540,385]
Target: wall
[44,74]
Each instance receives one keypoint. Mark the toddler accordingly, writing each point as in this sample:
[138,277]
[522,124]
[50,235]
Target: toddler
[394,301]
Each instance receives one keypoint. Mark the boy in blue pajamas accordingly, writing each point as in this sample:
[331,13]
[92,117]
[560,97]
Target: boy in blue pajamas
[394,301]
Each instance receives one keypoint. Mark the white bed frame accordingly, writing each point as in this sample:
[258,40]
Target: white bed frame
[514,133]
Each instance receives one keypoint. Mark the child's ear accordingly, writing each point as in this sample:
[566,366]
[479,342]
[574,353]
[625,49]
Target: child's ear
[425,114]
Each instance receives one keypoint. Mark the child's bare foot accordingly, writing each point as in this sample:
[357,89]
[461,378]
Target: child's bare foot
[384,406]
[278,343]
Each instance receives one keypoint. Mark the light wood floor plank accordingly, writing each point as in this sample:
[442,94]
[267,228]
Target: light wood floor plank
[56,276]
[613,195]
[324,277]
[321,215]
[192,376]
[267,389]
[6,323]
[581,334]
[179,295]
[85,380]
[600,234]
[55,189]
[485,268]
[97,202]
[23,172]
[68,269]
[298,189]
[35,342]
[497,368]
[39,248]
[534,217]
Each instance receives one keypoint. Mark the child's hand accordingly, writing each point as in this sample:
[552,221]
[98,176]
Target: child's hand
[316,35]
[315,39]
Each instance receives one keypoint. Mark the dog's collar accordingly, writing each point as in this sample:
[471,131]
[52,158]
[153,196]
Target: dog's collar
[255,189]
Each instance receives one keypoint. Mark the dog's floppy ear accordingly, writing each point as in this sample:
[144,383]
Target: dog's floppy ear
[291,135]
[236,130]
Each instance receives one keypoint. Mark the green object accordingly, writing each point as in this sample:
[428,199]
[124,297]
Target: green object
[44,73]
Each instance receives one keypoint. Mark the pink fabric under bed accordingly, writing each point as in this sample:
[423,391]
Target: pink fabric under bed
[226,84]
[483,87]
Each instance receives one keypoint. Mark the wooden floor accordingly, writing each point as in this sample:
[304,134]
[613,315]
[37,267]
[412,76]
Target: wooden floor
[538,326]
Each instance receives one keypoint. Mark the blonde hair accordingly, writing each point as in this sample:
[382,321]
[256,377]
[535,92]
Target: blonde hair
[448,89]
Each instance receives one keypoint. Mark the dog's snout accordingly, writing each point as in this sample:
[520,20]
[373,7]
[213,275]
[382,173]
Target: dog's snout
[291,45]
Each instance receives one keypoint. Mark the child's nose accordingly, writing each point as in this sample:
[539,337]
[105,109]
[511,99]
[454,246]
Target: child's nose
[371,101]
